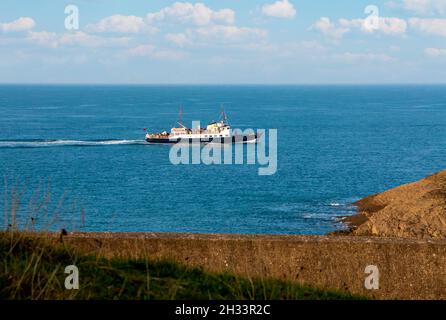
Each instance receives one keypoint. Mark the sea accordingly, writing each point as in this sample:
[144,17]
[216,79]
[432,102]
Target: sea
[74,156]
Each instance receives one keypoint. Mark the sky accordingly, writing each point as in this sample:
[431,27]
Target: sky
[223,42]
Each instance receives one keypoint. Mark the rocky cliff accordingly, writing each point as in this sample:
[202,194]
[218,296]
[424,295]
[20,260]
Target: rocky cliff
[413,210]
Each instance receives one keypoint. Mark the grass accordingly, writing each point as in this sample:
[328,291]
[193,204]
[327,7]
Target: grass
[33,268]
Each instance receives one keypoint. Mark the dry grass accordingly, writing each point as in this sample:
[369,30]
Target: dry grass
[33,268]
[39,209]
[33,261]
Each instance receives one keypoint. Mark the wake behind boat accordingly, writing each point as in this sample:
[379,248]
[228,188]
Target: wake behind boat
[215,132]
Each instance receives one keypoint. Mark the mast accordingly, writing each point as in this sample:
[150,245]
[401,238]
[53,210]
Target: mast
[181,118]
[223,113]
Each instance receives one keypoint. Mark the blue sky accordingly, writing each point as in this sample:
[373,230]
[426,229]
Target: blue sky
[231,42]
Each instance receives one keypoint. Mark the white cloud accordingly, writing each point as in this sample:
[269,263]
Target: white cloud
[392,26]
[87,40]
[329,29]
[386,25]
[429,26]
[350,57]
[435,52]
[120,24]
[153,52]
[279,9]
[44,38]
[218,34]
[197,14]
[294,49]
[180,39]
[425,6]
[313,46]
[229,33]
[21,24]
[78,38]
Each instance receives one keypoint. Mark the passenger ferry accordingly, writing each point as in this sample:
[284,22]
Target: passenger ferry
[215,132]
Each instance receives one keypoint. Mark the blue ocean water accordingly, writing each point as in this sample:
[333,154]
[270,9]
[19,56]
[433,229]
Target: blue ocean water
[336,144]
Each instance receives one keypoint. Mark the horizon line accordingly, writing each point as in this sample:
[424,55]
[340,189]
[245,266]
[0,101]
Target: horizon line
[222,84]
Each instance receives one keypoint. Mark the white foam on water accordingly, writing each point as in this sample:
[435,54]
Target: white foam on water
[57,143]
[335,204]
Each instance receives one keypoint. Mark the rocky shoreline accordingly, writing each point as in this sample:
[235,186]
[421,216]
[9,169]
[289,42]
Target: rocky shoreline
[413,210]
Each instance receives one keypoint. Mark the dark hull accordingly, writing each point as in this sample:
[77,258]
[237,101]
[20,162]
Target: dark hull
[234,139]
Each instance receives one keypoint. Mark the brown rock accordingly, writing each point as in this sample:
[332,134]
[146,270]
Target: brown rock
[413,210]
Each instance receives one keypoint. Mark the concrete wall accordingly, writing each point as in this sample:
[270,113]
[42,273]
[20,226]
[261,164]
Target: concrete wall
[409,269]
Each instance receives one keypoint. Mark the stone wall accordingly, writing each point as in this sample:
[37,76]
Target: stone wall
[409,269]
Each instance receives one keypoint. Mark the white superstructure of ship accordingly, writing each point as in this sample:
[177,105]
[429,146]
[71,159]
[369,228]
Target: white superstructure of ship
[217,131]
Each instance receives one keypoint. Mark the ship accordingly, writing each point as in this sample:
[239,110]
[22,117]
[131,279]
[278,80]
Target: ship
[215,132]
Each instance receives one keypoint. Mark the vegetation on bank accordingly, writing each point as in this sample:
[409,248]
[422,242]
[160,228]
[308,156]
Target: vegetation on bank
[33,268]
[32,265]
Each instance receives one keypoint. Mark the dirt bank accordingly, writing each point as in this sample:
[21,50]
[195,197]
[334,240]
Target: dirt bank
[409,268]
[414,210]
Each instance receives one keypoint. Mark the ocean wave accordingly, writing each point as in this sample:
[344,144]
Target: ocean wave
[318,216]
[36,143]
[336,204]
